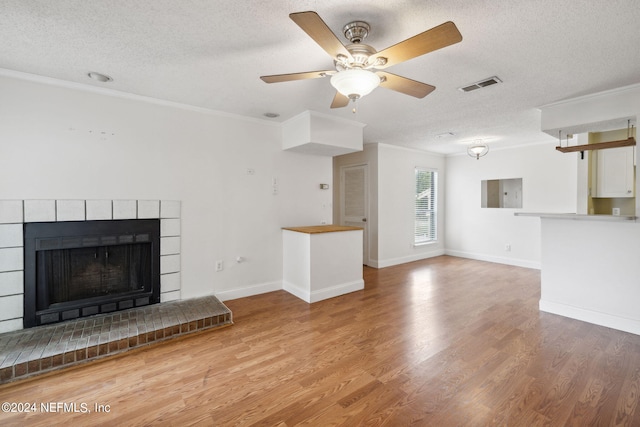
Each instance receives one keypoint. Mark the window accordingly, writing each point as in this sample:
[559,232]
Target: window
[501,193]
[425,224]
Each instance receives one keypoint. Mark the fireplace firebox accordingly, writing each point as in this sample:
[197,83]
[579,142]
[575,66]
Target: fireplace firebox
[81,268]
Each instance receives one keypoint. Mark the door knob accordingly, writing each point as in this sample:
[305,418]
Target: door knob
[364,219]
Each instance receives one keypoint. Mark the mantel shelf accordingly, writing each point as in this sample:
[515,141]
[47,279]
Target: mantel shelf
[629,142]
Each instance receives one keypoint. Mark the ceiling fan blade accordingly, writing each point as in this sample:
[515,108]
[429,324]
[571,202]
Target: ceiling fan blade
[405,85]
[277,78]
[339,101]
[436,38]
[315,27]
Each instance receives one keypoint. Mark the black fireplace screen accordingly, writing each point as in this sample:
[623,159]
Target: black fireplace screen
[76,274]
[80,268]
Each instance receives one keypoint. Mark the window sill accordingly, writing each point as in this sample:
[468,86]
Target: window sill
[418,245]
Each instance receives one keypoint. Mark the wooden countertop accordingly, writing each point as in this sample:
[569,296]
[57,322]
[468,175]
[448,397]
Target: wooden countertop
[315,229]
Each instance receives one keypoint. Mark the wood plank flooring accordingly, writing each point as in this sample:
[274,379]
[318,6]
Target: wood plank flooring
[439,342]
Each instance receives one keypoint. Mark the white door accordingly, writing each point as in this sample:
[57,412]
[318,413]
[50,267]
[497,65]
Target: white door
[354,206]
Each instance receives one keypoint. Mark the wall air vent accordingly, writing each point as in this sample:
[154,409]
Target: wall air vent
[483,83]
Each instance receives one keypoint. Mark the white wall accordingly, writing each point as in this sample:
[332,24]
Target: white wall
[396,204]
[549,185]
[464,228]
[391,201]
[60,141]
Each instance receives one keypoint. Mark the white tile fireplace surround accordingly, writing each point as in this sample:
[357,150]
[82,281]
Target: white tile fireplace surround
[14,213]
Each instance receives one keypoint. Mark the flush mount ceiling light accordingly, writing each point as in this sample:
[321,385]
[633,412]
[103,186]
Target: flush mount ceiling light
[477,149]
[103,78]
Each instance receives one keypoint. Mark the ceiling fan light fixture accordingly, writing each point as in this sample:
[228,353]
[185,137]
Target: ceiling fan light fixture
[355,83]
[358,65]
[477,149]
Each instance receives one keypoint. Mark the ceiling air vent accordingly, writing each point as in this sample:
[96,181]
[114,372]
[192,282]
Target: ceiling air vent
[483,83]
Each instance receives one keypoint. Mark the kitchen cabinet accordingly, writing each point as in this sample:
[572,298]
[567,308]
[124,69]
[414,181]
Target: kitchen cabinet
[615,174]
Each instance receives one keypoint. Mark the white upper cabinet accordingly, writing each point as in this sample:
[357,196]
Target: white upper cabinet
[615,172]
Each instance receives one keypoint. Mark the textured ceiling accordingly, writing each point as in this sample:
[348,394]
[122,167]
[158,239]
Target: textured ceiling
[211,53]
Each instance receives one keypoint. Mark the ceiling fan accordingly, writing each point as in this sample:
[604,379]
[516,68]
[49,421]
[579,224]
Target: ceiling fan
[358,66]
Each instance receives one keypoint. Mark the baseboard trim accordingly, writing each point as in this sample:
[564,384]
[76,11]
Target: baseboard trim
[331,292]
[403,260]
[335,291]
[294,290]
[590,316]
[248,291]
[491,258]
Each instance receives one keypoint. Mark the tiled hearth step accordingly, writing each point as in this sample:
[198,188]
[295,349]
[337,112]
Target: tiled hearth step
[37,350]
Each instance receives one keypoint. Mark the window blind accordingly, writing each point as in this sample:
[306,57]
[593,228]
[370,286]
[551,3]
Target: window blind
[425,222]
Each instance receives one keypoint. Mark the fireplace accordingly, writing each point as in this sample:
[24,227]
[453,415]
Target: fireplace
[80,268]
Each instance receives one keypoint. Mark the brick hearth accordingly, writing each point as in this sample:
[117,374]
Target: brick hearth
[45,348]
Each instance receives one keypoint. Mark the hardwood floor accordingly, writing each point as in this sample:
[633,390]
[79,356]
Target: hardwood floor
[440,342]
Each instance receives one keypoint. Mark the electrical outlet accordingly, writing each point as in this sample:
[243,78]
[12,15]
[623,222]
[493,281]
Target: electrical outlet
[507,247]
[219,265]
